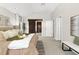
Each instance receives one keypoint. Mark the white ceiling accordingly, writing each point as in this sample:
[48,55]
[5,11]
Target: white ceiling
[43,8]
[28,8]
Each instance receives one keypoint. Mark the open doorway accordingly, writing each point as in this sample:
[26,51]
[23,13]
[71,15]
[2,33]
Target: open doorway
[35,25]
[32,26]
[39,27]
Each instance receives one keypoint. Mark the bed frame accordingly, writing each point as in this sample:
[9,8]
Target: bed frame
[70,47]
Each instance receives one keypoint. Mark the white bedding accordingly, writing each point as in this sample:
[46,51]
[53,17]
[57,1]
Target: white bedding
[19,44]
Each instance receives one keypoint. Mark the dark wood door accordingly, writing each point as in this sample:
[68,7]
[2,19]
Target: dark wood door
[31,26]
[39,27]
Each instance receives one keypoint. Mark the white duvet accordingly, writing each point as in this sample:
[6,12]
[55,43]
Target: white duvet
[19,44]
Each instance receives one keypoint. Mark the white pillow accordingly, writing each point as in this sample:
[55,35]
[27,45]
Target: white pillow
[5,34]
[10,33]
[15,32]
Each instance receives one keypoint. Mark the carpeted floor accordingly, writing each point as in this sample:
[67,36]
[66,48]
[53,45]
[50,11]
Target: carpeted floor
[49,46]
[40,47]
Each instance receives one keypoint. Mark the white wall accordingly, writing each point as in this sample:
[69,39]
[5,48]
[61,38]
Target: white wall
[43,28]
[66,11]
[47,28]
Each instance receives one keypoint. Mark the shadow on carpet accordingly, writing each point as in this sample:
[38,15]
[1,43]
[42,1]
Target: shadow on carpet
[40,48]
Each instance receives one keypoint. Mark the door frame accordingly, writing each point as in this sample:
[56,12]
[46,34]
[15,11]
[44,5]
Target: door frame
[37,20]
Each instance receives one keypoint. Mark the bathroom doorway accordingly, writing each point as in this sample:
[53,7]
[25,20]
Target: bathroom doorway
[39,27]
[35,25]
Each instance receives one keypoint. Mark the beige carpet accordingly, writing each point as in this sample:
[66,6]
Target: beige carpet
[53,47]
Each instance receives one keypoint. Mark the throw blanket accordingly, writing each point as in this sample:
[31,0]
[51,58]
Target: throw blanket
[19,44]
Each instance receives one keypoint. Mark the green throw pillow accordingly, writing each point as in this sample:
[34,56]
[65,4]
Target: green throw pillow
[14,38]
[76,40]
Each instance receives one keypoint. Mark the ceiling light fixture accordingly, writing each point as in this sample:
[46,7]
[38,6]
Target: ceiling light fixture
[42,4]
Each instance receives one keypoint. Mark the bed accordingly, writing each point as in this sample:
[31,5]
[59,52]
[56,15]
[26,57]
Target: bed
[31,50]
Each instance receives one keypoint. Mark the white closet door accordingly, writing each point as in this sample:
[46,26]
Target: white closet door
[58,28]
